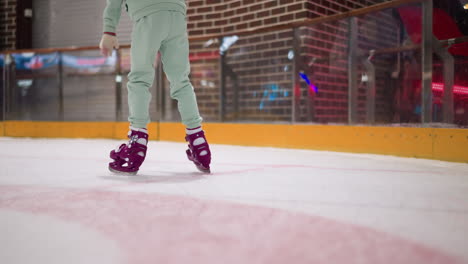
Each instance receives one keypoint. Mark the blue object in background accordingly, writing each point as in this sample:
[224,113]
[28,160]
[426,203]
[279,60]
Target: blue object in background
[31,61]
[271,93]
[35,62]
[306,79]
[418,110]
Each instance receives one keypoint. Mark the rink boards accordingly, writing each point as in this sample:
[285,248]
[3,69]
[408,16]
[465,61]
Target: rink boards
[431,143]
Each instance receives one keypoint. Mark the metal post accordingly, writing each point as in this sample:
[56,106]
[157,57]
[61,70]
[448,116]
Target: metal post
[236,94]
[296,89]
[60,86]
[352,71]
[222,90]
[427,43]
[9,65]
[5,84]
[309,70]
[3,89]
[235,82]
[310,101]
[370,98]
[449,71]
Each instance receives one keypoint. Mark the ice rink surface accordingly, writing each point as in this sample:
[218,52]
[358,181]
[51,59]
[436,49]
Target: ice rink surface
[59,204]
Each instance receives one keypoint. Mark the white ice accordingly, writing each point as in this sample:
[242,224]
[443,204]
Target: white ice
[425,201]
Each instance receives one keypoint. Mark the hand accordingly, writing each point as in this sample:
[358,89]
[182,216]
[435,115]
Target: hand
[108,43]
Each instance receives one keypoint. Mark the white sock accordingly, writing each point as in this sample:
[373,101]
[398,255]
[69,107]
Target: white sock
[141,141]
[191,131]
[144,130]
[197,141]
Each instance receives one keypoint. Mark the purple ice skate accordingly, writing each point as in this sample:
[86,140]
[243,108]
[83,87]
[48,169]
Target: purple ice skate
[129,157]
[199,151]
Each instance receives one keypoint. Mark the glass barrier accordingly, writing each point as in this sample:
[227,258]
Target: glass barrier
[389,78]
[323,72]
[460,90]
[364,69]
[450,109]
[88,86]
[258,73]
[206,79]
[31,86]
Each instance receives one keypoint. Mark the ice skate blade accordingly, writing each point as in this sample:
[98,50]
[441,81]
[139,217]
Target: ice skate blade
[122,173]
[204,170]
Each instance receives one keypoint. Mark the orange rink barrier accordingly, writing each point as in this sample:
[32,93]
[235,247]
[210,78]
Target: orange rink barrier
[430,143]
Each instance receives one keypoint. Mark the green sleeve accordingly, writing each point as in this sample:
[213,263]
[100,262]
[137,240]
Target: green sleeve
[112,15]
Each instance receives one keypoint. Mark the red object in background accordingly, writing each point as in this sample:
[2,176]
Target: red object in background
[444,27]
[36,63]
[457,89]
[91,61]
[196,56]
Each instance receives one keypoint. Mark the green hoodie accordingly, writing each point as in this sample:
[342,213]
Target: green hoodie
[138,9]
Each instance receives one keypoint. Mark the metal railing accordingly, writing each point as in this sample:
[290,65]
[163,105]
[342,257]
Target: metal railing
[323,70]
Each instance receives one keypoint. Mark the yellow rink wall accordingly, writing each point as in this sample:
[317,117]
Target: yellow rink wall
[431,143]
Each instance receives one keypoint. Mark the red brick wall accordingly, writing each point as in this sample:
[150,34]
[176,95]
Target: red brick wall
[330,75]
[264,71]
[261,62]
[330,42]
[7,24]
[318,8]
[229,16]
[258,60]
[327,44]
[378,31]
[205,78]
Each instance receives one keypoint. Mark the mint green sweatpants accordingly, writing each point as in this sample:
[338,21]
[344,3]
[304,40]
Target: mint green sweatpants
[165,31]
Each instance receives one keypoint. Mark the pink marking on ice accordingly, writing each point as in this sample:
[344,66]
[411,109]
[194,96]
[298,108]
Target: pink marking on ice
[155,228]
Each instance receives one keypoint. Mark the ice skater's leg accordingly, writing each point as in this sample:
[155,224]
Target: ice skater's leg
[147,36]
[148,33]
[175,58]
